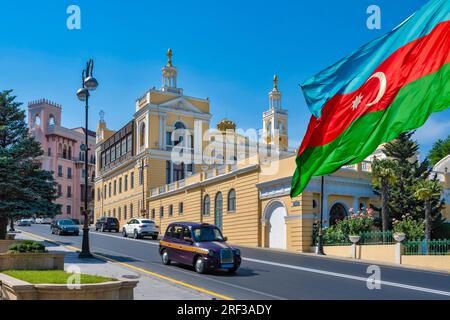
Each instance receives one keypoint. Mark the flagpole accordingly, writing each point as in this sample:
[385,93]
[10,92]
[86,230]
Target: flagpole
[320,242]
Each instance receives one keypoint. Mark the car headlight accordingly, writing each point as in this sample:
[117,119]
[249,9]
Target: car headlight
[211,253]
[237,252]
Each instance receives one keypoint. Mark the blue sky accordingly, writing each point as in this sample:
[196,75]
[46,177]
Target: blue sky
[225,50]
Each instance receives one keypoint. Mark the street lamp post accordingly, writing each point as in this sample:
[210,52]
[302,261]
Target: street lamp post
[320,233]
[89,83]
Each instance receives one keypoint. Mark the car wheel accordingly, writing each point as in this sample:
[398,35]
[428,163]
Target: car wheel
[136,234]
[232,270]
[124,233]
[53,231]
[165,257]
[200,265]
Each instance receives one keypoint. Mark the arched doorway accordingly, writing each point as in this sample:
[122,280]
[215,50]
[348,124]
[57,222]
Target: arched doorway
[218,210]
[275,215]
[337,213]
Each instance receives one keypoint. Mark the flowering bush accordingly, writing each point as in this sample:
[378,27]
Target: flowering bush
[413,229]
[353,225]
[356,223]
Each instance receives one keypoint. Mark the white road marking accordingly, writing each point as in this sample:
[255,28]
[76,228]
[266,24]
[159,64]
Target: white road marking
[347,276]
[318,271]
[123,238]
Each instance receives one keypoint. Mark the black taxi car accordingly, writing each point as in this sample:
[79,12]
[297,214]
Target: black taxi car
[199,245]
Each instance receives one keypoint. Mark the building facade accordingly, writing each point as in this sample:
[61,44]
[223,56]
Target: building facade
[138,157]
[63,155]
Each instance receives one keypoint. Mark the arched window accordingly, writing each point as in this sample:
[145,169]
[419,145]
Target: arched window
[142,135]
[37,120]
[179,125]
[232,200]
[337,213]
[206,206]
[178,136]
[70,153]
[51,120]
[269,127]
[64,155]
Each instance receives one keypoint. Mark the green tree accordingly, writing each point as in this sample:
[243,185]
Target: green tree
[383,176]
[426,191]
[409,171]
[439,151]
[25,189]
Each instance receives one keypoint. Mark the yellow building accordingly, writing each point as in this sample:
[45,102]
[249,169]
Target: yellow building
[139,156]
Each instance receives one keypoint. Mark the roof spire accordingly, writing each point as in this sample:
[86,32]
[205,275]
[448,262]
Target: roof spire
[169,57]
[275,83]
[102,115]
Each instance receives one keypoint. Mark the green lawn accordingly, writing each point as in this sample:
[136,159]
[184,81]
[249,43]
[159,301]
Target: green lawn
[52,276]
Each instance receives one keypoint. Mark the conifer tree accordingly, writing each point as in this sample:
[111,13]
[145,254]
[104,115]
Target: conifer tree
[25,189]
[409,173]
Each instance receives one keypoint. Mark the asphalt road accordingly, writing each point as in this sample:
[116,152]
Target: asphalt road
[268,274]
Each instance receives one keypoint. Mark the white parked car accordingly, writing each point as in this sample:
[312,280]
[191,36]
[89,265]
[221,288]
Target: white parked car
[39,220]
[139,228]
[47,221]
[24,223]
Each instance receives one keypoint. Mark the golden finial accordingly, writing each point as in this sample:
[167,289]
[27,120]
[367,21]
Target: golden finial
[275,82]
[225,125]
[169,56]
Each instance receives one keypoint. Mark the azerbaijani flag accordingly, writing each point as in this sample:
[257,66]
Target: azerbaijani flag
[389,86]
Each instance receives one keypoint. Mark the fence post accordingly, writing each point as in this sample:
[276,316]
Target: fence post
[398,253]
[398,237]
[353,250]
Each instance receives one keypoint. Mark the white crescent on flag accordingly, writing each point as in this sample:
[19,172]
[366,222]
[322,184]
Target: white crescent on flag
[383,81]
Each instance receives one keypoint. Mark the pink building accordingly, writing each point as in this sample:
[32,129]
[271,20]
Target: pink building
[63,156]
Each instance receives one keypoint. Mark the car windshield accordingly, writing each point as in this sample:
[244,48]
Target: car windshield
[206,234]
[112,220]
[66,222]
[148,222]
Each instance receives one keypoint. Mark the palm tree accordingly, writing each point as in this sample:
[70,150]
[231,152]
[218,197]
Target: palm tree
[383,175]
[427,190]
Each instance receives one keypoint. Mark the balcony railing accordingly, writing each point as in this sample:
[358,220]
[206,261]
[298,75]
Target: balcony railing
[195,178]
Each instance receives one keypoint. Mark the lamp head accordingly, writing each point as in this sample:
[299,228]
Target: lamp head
[82,94]
[91,83]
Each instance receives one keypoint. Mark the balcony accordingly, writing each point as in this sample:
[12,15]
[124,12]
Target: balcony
[193,179]
[179,149]
[364,166]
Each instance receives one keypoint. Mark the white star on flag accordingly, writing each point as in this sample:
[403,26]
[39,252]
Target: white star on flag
[357,101]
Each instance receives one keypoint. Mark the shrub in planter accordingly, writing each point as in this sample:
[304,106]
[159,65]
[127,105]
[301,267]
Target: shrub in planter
[27,246]
[413,229]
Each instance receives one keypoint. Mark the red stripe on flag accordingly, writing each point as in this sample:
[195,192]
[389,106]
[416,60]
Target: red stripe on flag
[416,59]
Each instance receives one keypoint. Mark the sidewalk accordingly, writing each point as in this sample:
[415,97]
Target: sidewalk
[148,288]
